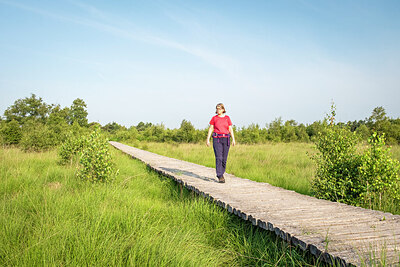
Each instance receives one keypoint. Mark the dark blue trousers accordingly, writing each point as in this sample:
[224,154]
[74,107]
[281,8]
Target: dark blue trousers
[221,149]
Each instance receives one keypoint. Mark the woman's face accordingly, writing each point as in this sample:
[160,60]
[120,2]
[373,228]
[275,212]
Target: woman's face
[220,110]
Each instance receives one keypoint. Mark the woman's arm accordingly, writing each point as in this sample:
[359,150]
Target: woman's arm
[233,136]
[210,131]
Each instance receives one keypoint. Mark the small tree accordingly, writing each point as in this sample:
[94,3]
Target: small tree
[379,172]
[58,123]
[301,133]
[378,115]
[289,131]
[275,130]
[78,112]
[95,160]
[337,165]
[337,176]
[186,132]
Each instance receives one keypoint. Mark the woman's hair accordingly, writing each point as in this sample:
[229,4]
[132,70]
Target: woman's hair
[221,106]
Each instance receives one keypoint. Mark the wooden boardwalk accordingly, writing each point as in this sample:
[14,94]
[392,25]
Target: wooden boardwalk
[329,230]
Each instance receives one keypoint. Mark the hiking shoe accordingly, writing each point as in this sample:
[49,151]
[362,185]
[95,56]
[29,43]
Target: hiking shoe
[221,179]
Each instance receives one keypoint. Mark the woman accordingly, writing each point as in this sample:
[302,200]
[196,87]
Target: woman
[221,131]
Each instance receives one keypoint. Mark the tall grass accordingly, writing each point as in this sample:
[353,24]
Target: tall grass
[49,217]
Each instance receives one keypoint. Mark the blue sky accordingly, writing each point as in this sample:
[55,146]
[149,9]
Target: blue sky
[165,61]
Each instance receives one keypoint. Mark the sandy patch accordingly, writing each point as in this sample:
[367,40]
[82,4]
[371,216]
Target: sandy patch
[54,185]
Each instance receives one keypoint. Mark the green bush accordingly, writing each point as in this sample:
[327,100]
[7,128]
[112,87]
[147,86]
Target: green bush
[95,160]
[363,132]
[11,132]
[38,137]
[379,172]
[337,174]
[275,130]
[352,177]
[58,125]
[71,148]
[249,135]
[186,132]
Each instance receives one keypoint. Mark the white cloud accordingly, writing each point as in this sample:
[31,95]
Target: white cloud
[215,59]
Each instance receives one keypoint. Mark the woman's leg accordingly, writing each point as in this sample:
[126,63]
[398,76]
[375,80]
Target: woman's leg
[218,151]
[225,151]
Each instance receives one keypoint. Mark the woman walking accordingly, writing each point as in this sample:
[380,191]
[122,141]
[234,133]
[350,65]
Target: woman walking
[221,130]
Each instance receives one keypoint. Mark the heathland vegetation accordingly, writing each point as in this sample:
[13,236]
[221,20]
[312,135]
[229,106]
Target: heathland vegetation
[52,157]
[49,217]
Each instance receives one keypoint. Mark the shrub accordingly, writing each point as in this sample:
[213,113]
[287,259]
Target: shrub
[250,135]
[379,172]
[275,130]
[186,132]
[95,160]
[70,148]
[58,125]
[363,132]
[38,137]
[11,133]
[118,136]
[301,133]
[344,175]
[337,175]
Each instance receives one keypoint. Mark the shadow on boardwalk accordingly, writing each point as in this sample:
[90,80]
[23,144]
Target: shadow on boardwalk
[192,174]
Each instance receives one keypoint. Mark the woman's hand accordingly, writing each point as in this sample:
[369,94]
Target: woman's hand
[210,130]
[232,135]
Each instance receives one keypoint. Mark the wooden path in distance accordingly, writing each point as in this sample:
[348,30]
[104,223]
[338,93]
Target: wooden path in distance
[329,230]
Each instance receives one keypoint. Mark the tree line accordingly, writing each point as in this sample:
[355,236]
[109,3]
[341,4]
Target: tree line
[276,131]
[35,125]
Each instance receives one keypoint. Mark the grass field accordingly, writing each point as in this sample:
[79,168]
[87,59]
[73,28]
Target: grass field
[48,217]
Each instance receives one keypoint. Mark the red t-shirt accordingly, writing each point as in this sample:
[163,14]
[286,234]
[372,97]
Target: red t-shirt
[221,124]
